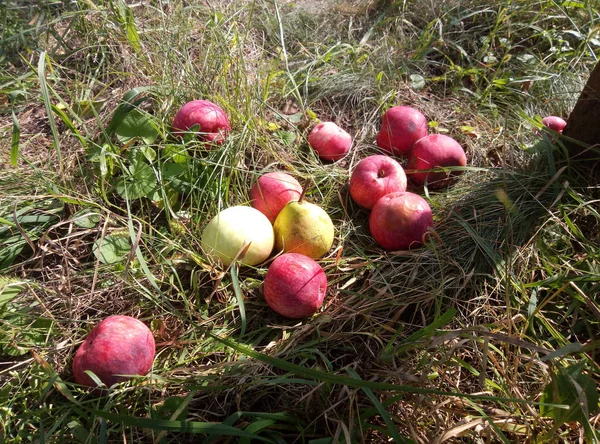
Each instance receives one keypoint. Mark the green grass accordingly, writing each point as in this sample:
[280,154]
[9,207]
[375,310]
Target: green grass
[486,334]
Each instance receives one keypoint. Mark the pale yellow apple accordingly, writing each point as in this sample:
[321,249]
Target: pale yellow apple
[233,228]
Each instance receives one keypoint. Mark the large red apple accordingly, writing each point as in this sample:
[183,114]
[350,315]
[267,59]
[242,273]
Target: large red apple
[435,150]
[272,191]
[401,127]
[329,141]
[295,285]
[211,119]
[400,220]
[374,177]
[555,123]
[118,345]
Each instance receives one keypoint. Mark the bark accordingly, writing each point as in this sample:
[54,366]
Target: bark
[583,123]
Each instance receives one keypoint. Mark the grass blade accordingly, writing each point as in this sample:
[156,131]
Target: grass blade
[14,145]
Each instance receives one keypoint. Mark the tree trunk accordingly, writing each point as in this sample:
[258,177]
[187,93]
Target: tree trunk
[583,124]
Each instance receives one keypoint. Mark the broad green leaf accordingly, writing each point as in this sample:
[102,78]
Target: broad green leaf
[111,249]
[138,180]
[9,288]
[417,82]
[286,137]
[574,388]
[130,101]
[136,124]
[86,218]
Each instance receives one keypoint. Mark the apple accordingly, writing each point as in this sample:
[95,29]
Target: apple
[554,123]
[400,220]
[116,347]
[235,227]
[330,141]
[211,119]
[305,228]
[272,191]
[295,285]
[401,126]
[435,150]
[374,177]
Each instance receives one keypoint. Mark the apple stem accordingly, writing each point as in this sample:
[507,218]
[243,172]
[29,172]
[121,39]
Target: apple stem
[304,189]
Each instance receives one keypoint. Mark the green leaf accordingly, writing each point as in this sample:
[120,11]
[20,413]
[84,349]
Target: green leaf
[239,296]
[572,387]
[178,426]
[136,124]
[88,108]
[333,378]
[111,249]
[286,137]
[137,181]
[392,430]
[9,289]
[130,101]
[16,135]
[417,82]
[86,218]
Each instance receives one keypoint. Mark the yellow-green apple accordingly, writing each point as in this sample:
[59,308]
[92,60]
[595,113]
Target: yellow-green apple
[272,191]
[374,177]
[330,141]
[401,127]
[400,221]
[211,119]
[114,350]
[435,150]
[295,285]
[305,228]
[237,227]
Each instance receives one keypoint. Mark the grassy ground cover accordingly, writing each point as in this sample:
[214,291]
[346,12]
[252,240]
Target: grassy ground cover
[489,333]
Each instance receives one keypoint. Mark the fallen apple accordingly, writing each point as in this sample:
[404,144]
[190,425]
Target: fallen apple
[374,177]
[401,127]
[305,228]
[555,123]
[400,221]
[295,285]
[213,124]
[330,141]
[435,150]
[234,228]
[118,346]
[272,191]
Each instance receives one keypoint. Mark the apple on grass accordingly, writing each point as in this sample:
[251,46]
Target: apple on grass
[237,227]
[305,228]
[211,119]
[554,123]
[400,221]
[401,127]
[295,286]
[118,346]
[272,191]
[330,141]
[435,150]
[374,177]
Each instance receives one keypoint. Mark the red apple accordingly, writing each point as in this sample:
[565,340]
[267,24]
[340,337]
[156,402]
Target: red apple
[401,126]
[554,123]
[435,150]
[400,220]
[374,177]
[118,345]
[329,141]
[272,191]
[295,285]
[211,119]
